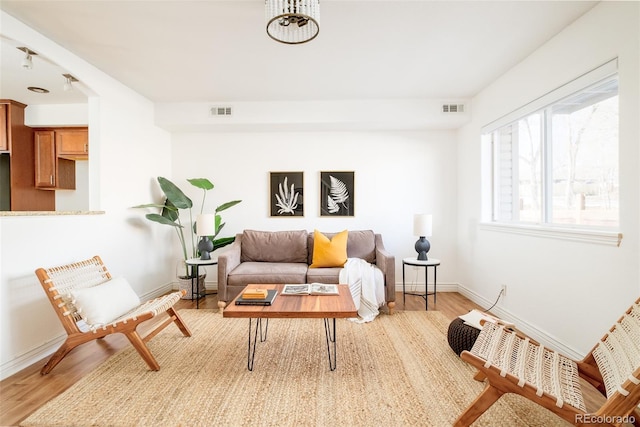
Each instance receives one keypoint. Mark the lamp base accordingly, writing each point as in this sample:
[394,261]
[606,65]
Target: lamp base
[205,246]
[422,247]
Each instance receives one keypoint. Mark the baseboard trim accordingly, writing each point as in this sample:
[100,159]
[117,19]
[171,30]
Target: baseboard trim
[419,287]
[32,356]
[209,286]
[526,327]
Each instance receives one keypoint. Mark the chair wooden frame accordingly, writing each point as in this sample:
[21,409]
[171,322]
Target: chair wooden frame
[58,282]
[621,387]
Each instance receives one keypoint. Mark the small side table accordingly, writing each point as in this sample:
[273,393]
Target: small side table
[432,262]
[197,262]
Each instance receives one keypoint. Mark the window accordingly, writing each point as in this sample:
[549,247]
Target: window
[555,162]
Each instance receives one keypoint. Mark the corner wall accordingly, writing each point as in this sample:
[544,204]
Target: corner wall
[127,149]
[565,294]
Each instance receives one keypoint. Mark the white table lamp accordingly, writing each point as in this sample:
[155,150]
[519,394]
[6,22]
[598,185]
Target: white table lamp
[205,227]
[422,227]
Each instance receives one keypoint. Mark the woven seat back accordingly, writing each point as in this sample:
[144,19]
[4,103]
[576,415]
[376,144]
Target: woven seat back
[58,282]
[542,368]
[618,353]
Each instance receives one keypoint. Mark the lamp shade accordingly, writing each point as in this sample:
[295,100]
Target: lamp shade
[422,225]
[206,225]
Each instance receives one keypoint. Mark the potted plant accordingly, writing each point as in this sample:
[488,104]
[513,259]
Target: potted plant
[175,201]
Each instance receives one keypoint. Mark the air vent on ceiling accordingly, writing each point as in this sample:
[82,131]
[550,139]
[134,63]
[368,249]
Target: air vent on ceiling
[221,111]
[453,108]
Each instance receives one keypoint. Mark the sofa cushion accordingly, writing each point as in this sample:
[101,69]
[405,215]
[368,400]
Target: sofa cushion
[324,275]
[329,252]
[268,272]
[360,244]
[274,246]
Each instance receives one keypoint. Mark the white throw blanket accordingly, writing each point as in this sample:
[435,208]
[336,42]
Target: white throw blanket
[366,285]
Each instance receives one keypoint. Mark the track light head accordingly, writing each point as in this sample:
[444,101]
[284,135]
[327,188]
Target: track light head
[68,82]
[27,61]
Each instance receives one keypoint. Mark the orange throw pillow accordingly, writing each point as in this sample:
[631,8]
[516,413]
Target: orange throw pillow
[329,253]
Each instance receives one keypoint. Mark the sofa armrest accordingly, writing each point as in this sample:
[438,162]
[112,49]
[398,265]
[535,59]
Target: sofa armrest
[227,261]
[387,263]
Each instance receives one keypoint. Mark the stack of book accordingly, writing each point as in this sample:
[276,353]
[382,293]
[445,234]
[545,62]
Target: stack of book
[257,297]
[255,294]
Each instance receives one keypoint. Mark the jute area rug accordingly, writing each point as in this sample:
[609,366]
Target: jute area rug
[395,371]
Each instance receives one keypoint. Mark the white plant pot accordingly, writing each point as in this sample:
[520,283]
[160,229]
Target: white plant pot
[185,283]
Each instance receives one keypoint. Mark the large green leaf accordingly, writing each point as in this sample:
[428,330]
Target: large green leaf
[202,183]
[169,211]
[174,194]
[227,205]
[149,205]
[161,220]
[222,242]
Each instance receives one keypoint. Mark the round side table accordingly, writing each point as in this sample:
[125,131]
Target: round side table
[197,262]
[426,264]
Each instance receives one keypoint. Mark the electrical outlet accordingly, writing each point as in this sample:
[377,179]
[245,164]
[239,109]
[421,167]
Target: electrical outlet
[504,290]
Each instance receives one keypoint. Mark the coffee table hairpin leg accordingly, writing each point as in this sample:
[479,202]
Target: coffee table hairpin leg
[331,338]
[251,350]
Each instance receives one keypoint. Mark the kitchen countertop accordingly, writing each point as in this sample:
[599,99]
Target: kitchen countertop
[48,213]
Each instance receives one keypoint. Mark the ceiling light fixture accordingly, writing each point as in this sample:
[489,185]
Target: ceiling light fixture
[68,80]
[27,62]
[37,89]
[293,21]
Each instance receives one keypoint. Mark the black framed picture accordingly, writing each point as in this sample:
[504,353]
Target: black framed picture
[337,194]
[286,194]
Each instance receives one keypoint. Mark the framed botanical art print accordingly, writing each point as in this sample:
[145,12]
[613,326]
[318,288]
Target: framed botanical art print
[336,194]
[286,194]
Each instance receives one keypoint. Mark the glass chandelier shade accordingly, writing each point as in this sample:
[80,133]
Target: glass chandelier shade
[292,21]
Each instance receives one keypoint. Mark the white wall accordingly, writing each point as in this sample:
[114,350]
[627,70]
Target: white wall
[566,294]
[397,174]
[127,151]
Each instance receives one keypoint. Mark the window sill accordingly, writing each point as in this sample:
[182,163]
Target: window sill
[601,237]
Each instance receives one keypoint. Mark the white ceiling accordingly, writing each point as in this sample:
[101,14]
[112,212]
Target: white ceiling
[218,51]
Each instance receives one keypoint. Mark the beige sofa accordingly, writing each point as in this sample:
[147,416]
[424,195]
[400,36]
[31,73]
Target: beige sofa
[284,257]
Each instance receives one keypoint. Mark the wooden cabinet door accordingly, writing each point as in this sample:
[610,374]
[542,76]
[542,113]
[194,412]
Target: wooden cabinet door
[4,127]
[45,157]
[72,142]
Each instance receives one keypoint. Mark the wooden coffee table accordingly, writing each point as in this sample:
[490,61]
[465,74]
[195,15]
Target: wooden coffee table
[295,306]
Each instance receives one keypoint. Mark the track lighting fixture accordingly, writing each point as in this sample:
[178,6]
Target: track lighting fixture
[68,80]
[27,61]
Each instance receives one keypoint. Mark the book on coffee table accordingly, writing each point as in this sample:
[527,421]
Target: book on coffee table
[310,289]
[271,295]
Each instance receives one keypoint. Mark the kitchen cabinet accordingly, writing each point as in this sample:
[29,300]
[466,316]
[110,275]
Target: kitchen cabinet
[17,147]
[52,172]
[4,134]
[72,143]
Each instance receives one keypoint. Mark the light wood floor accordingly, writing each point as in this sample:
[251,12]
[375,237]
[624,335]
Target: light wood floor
[26,391]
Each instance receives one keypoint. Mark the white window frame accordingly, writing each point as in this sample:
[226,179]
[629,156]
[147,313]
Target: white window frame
[543,229]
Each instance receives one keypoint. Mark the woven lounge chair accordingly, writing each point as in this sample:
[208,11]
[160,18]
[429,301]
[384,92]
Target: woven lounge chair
[59,282]
[512,363]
